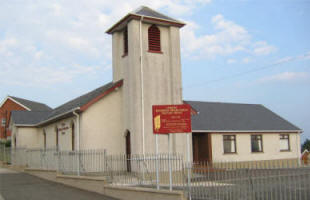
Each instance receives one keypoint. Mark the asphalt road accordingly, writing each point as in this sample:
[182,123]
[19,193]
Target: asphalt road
[22,186]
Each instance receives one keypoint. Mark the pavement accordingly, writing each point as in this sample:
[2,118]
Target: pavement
[22,186]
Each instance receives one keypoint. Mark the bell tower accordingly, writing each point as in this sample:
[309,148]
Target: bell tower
[146,55]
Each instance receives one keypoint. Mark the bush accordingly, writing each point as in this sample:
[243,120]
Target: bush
[6,143]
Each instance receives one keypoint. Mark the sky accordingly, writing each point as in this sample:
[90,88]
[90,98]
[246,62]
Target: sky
[241,51]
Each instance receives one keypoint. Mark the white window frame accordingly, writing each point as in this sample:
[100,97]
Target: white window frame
[232,140]
[3,122]
[285,137]
[260,148]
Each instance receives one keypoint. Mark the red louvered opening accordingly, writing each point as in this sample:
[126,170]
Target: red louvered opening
[125,42]
[154,39]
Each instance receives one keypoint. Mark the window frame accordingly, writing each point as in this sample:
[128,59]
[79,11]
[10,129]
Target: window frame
[3,122]
[228,138]
[44,139]
[255,138]
[282,137]
[125,42]
[154,44]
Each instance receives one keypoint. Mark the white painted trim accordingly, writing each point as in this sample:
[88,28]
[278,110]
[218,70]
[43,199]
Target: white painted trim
[72,110]
[156,18]
[8,97]
[248,131]
[28,125]
[40,123]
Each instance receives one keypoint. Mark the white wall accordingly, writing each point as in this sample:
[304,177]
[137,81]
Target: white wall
[26,137]
[271,147]
[161,80]
[101,126]
[64,137]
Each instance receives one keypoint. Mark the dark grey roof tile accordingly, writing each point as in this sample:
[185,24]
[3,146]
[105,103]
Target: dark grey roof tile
[237,117]
[32,105]
[80,101]
[28,117]
[146,11]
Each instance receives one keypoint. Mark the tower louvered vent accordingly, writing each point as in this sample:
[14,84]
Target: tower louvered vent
[154,39]
[125,41]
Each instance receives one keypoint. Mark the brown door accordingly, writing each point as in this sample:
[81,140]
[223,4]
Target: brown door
[128,151]
[201,147]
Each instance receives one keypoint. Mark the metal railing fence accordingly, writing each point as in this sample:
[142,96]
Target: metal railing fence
[5,154]
[260,180]
[18,156]
[46,159]
[91,162]
[141,170]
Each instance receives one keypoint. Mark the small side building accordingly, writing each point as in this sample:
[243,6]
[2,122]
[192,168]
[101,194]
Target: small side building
[241,132]
[91,121]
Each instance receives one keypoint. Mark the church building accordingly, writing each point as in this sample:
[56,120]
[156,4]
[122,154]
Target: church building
[147,71]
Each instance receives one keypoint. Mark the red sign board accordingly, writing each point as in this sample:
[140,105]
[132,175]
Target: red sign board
[172,119]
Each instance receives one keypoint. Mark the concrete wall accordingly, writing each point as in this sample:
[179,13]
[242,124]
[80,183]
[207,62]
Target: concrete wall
[161,83]
[101,126]
[26,137]
[64,136]
[271,147]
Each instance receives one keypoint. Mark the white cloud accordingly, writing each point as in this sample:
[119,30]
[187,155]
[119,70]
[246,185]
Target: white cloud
[231,61]
[229,38]
[286,76]
[246,60]
[52,34]
[305,56]
[284,60]
[263,48]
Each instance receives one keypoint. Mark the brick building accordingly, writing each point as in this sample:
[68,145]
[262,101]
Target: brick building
[11,103]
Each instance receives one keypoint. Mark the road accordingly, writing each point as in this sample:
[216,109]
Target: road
[22,186]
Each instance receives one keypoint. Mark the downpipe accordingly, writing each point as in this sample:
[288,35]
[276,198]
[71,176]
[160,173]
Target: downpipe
[78,141]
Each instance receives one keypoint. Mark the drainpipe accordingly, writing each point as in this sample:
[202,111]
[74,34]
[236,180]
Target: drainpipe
[78,140]
[142,87]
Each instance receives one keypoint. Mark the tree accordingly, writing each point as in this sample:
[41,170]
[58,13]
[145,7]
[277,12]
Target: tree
[305,145]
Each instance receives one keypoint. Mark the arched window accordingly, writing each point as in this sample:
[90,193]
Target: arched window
[154,39]
[57,139]
[125,41]
[73,135]
[44,139]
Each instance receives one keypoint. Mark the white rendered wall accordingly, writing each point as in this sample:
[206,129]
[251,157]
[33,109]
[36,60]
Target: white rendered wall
[101,126]
[271,147]
[162,84]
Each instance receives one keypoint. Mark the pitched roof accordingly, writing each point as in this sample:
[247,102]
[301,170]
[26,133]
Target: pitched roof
[80,103]
[213,116]
[28,117]
[146,11]
[32,105]
[146,14]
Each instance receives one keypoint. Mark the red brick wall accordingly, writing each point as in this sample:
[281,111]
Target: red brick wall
[5,112]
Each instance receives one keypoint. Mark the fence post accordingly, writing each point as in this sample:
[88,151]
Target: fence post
[78,162]
[251,189]
[189,166]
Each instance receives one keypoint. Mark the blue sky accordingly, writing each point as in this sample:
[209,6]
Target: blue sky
[243,51]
